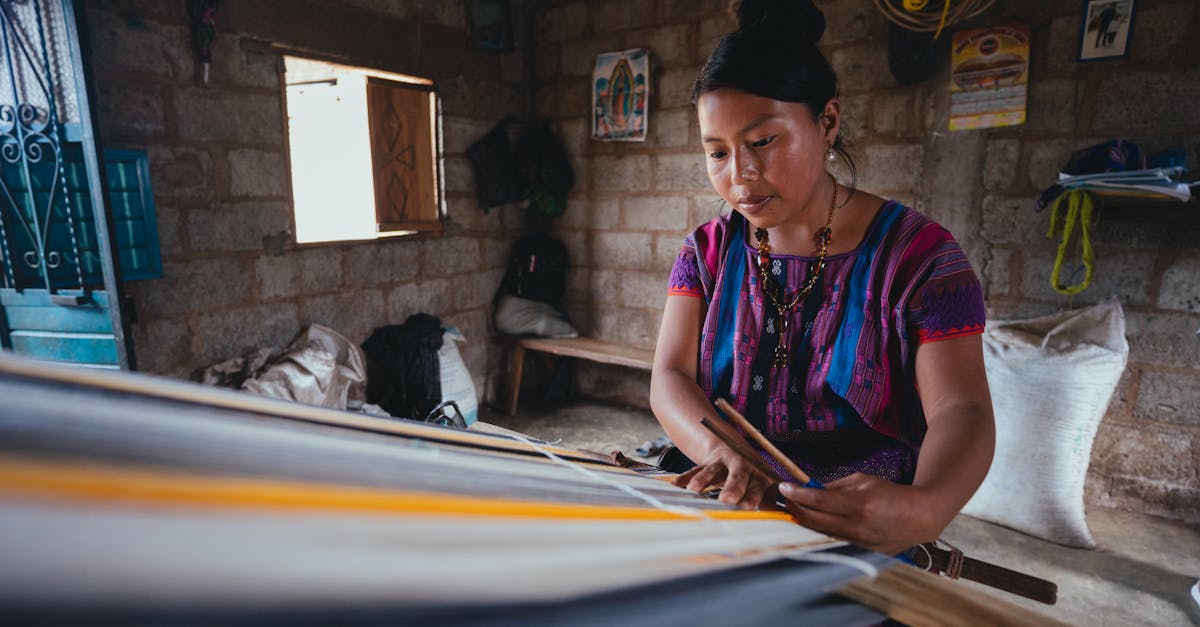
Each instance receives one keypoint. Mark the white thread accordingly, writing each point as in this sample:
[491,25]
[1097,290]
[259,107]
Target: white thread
[690,512]
[823,557]
[928,556]
[837,558]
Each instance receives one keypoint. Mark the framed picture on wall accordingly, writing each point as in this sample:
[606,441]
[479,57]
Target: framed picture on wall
[489,25]
[1106,28]
[621,95]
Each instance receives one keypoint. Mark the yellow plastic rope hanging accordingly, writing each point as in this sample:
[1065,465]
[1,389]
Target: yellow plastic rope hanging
[912,6]
[1079,208]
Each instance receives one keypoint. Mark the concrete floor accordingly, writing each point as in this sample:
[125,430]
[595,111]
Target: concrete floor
[1140,575]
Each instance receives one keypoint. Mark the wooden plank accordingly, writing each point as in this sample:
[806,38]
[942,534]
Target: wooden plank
[592,350]
[921,599]
[401,129]
[87,348]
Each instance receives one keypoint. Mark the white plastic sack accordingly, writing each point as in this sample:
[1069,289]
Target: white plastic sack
[1051,380]
[320,367]
[521,316]
[457,384]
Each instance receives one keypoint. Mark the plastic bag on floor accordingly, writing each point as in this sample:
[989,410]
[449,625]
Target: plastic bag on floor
[457,384]
[320,367]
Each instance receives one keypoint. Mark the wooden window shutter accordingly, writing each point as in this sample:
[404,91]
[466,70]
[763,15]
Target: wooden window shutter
[401,118]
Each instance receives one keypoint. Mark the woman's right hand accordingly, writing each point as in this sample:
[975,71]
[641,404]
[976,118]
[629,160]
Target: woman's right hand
[741,484]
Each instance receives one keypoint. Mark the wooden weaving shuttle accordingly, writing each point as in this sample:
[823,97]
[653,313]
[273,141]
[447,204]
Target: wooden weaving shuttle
[744,425]
[740,447]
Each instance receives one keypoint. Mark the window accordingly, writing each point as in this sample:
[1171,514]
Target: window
[364,152]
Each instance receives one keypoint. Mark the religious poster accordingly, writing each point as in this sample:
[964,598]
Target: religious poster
[989,77]
[621,95]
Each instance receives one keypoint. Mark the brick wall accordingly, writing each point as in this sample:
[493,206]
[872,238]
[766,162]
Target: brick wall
[234,278]
[636,201]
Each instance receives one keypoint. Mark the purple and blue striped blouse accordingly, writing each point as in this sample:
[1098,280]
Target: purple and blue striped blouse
[847,400]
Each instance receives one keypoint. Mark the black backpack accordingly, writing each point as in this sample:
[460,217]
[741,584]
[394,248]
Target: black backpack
[544,169]
[537,270]
[495,170]
[403,373]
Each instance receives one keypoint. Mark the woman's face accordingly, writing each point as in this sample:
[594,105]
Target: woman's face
[765,157]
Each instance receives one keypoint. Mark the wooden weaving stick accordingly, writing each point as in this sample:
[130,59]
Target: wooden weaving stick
[739,447]
[763,442]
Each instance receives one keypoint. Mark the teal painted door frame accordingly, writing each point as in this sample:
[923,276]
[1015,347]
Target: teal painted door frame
[60,316]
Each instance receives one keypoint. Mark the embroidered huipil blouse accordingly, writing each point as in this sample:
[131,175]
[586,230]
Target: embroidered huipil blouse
[846,401]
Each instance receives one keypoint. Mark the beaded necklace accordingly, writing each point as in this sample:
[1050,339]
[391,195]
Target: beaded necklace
[775,292]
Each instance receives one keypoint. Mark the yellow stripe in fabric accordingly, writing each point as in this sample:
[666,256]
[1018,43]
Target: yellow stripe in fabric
[113,485]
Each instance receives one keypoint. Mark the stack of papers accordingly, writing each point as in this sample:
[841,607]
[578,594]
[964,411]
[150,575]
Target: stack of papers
[1159,183]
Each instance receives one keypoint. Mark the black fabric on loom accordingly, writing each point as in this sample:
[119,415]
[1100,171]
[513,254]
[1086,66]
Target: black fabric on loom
[781,592]
[403,374]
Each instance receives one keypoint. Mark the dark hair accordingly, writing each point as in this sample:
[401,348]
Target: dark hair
[774,54]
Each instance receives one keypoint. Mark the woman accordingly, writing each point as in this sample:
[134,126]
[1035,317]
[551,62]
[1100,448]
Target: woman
[845,327]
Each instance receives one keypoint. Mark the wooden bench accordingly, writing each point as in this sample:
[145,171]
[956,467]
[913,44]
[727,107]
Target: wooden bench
[580,348]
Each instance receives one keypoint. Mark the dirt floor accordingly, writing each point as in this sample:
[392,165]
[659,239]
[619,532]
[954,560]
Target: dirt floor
[1140,575]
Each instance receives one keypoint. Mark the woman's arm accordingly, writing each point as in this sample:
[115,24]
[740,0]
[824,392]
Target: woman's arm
[958,447]
[953,461]
[679,404]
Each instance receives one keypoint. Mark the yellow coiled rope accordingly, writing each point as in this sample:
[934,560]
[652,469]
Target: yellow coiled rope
[910,14]
[1079,209]
[912,6]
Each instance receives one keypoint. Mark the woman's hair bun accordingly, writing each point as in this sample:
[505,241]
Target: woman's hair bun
[790,18]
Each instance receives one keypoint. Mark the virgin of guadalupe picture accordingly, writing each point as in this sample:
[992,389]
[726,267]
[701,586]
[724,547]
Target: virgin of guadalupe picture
[620,93]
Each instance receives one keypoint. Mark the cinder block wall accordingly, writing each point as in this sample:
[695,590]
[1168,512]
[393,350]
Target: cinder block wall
[636,201]
[234,278]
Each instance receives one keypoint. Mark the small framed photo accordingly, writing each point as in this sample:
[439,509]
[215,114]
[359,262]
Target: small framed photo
[1107,25]
[489,25]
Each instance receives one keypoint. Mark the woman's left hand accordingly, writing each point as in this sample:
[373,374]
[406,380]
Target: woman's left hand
[868,511]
